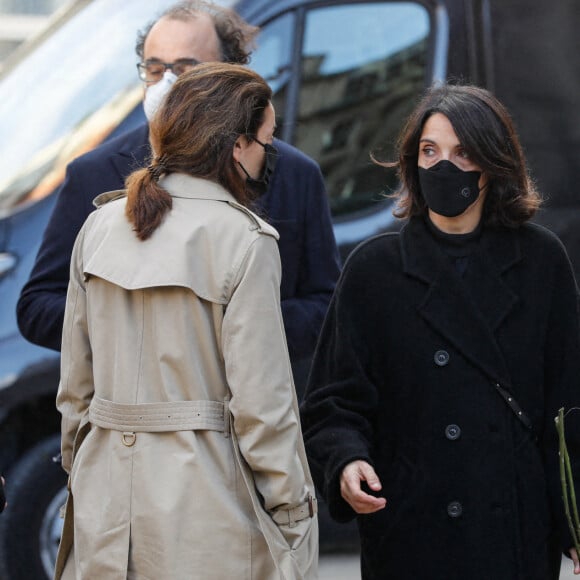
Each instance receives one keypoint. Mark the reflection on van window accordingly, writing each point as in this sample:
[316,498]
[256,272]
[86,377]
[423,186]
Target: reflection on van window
[363,68]
[273,60]
[68,96]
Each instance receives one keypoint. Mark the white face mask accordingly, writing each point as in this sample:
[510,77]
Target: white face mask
[155,94]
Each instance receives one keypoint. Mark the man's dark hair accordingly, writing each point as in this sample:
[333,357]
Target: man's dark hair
[235,35]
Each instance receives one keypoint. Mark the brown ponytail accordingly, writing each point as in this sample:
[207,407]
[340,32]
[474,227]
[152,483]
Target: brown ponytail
[147,201]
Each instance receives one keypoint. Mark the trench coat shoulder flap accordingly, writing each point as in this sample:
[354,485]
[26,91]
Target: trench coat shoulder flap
[467,318]
[108,196]
[200,245]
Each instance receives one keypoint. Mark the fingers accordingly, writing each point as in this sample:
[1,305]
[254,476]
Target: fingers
[350,488]
[369,475]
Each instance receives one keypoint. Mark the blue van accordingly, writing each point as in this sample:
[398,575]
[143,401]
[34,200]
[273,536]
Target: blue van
[345,74]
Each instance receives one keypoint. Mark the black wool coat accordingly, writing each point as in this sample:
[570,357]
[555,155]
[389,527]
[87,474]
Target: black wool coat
[404,377]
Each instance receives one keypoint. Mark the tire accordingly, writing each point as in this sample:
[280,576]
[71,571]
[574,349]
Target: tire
[30,527]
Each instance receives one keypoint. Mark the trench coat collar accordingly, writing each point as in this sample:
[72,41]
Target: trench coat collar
[179,185]
[467,317]
[182,185]
[186,186]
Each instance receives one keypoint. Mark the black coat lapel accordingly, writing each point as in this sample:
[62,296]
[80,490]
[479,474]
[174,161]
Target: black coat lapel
[467,318]
[133,153]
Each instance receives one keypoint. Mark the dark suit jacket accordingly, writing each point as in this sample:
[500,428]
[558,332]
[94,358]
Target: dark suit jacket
[295,203]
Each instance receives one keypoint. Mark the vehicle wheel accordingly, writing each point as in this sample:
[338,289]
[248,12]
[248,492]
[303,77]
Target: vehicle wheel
[30,527]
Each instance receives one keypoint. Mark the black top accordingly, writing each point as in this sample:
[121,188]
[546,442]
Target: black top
[458,247]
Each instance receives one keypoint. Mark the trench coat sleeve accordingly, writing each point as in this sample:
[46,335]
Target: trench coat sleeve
[263,402]
[562,385]
[340,401]
[76,386]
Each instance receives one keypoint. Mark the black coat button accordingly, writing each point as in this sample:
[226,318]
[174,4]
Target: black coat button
[452,432]
[441,358]
[454,509]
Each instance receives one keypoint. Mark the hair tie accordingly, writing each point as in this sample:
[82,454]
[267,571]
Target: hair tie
[157,168]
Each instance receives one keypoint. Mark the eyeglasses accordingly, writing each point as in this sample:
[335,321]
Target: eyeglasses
[152,71]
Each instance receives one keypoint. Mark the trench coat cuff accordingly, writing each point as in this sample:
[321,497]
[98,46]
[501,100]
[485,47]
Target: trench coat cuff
[290,517]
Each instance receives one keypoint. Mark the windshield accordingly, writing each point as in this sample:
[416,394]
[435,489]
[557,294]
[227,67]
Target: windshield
[69,94]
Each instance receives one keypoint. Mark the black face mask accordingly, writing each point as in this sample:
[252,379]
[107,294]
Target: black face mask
[447,190]
[260,186]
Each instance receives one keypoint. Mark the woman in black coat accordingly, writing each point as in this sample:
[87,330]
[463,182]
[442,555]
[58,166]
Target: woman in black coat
[445,356]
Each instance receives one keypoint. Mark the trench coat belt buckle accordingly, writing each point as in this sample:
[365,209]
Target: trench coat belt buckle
[128,438]
[291,517]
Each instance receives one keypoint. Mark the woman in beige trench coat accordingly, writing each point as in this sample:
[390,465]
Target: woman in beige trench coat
[180,430]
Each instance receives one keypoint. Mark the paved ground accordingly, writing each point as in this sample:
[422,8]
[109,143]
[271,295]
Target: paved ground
[339,567]
[566,571]
[346,567]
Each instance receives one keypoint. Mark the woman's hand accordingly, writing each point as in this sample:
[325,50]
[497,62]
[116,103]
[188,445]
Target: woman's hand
[574,556]
[350,488]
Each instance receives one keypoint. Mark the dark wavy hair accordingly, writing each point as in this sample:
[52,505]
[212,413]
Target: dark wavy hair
[194,132]
[235,35]
[487,134]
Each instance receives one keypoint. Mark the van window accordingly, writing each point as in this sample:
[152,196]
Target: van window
[66,97]
[363,68]
[273,60]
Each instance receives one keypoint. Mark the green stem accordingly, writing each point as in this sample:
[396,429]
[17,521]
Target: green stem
[571,489]
[566,474]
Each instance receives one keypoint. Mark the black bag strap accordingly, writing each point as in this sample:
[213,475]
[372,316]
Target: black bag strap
[516,408]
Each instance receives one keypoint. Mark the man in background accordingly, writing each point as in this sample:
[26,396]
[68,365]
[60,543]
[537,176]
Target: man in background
[290,188]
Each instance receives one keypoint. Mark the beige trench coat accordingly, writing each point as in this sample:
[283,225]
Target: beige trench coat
[177,386]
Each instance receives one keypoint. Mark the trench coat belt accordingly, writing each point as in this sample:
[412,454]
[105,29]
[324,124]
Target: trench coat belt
[158,417]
